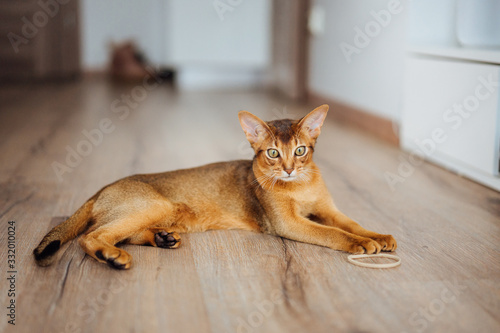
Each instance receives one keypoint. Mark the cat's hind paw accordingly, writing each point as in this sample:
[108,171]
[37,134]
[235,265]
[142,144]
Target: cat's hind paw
[167,240]
[115,257]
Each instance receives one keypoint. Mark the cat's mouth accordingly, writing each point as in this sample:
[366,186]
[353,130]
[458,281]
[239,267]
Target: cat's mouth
[288,178]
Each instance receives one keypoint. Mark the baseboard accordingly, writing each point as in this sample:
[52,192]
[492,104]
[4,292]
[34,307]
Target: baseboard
[378,126]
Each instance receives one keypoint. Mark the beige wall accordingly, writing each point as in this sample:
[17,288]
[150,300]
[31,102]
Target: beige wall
[372,78]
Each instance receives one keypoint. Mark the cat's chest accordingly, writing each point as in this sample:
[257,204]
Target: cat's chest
[305,196]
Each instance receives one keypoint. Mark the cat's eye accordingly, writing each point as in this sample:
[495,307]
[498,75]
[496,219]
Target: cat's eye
[300,151]
[273,153]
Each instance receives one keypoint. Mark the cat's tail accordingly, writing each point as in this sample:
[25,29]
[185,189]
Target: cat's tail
[64,232]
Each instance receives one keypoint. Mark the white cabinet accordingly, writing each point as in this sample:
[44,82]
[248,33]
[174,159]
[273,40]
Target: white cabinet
[451,115]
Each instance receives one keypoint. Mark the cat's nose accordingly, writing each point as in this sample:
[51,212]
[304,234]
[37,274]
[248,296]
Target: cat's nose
[289,171]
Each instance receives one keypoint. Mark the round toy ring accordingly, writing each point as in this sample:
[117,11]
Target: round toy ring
[352,259]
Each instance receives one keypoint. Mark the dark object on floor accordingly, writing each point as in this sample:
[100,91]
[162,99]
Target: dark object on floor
[127,63]
[166,75]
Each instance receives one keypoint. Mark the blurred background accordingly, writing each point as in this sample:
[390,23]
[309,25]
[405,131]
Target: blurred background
[95,90]
[393,68]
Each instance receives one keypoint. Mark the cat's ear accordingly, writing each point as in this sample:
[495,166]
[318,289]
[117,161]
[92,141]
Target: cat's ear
[314,120]
[255,129]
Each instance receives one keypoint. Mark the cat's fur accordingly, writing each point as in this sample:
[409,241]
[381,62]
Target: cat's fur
[282,195]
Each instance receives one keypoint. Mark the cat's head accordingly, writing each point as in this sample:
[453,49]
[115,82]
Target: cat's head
[284,148]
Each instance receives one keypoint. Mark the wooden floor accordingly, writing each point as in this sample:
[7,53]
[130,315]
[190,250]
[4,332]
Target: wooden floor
[447,227]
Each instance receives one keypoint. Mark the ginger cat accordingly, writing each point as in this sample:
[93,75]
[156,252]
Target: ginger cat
[279,192]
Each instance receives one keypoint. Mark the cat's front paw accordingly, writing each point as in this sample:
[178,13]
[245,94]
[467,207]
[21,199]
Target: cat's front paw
[363,245]
[387,242]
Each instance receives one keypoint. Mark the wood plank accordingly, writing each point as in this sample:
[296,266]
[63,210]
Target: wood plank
[447,227]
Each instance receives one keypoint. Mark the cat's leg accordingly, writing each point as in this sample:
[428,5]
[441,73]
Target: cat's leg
[100,243]
[331,216]
[292,226]
[157,236]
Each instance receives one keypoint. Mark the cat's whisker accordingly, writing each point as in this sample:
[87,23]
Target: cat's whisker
[304,177]
[259,178]
[307,175]
[263,183]
[262,180]
[263,176]
[267,180]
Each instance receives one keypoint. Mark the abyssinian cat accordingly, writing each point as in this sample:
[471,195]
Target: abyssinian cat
[280,192]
